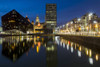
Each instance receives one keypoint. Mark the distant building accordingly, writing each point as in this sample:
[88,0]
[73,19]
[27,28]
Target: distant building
[38,27]
[51,16]
[1,29]
[14,21]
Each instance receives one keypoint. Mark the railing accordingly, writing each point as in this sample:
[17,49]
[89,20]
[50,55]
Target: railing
[96,34]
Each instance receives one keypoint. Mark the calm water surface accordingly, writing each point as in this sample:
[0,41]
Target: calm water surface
[45,51]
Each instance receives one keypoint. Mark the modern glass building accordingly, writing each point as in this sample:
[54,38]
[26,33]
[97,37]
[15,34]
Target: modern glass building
[14,21]
[51,15]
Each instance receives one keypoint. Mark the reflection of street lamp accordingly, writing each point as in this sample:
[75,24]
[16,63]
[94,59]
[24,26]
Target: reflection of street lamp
[97,57]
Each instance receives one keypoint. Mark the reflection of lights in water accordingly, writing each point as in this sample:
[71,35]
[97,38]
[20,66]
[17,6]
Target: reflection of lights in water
[56,38]
[79,53]
[23,44]
[45,44]
[67,47]
[80,48]
[33,46]
[91,61]
[71,44]
[14,57]
[37,49]
[90,53]
[58,42]
[63,45]
[50,48]
[75,46]
[72,49]
[68,42]
[22,38]
[97,57]
[27,39]
[39,44]
[87,52]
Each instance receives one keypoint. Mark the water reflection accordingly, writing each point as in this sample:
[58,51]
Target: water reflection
[45,51]
[16,46]
[73,47]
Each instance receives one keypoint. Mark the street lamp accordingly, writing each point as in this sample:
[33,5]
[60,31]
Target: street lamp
[90,14]
[79,19]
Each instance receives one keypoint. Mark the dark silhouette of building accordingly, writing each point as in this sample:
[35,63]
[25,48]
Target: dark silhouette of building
[14,21]
[14,47]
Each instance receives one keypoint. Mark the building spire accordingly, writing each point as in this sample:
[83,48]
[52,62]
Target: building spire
[37,20]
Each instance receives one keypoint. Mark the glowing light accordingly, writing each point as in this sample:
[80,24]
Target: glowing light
[39,44]
[67,47]
[97,57]
[87,28]
[63,45]
[96,26]
[87,52]
[80,28]
[72,50]
[91,61]
[37,50]
[68,42]
[80,48]
[39,24]
[11,21]
[71,22]
[90,14]
[79,19]
[90,53]
[79,53]
[50,48]
[63,25]
[94,21]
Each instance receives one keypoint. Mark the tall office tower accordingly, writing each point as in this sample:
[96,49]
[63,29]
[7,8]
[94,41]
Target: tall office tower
[51,16]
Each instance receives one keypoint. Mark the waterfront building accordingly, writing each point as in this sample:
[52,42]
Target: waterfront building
[38,27]
[13,21]
[87,23]
[51,16]
[85,19]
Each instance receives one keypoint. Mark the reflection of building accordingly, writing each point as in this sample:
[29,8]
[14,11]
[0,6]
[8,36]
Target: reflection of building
[14,21]
[51,16]
[51,52]
[92,54]
[15,47]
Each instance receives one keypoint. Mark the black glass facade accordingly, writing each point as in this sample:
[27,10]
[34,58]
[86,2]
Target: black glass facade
[13,20]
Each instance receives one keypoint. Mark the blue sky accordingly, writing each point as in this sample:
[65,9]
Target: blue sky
[66,9]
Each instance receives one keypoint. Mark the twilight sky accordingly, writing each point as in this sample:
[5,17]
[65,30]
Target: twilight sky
[66,9]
